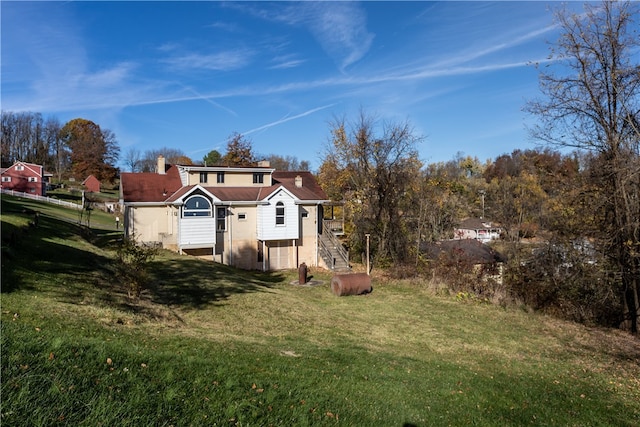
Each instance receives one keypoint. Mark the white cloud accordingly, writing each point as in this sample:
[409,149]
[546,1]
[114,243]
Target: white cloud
[286,61]
[340,28]
[218,61]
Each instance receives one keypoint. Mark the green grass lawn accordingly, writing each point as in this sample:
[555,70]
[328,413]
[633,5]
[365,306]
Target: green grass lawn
[210,345]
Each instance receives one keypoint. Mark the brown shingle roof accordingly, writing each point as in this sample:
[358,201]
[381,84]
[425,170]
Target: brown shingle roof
[150,186]
[469,250]
[310,189]
[476,224]
[153,187]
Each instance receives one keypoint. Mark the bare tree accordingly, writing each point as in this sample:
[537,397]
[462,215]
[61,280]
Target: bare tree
[377,168]
[595,106]
[133,160]
[149,161]
[285,163]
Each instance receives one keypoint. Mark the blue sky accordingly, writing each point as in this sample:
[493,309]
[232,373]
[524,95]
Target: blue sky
[187,75]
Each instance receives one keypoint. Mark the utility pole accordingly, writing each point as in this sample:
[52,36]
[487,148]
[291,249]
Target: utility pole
[368,269]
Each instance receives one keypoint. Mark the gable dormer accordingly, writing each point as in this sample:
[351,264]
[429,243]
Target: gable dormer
[213,176]
[279,216]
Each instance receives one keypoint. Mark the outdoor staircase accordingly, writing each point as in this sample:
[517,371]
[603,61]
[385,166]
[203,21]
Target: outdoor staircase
[333,253]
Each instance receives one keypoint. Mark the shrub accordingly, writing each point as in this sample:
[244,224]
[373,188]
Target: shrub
[132,265]
[565,280]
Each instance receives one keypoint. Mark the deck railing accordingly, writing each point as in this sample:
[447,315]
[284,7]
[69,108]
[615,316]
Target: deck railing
[335,244]
[336,226]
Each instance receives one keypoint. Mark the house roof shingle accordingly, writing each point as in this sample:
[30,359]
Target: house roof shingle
[150,186]
[476,224]
[153,187]
[469,250]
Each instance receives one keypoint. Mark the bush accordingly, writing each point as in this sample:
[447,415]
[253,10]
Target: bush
[564,280]
[463,277]
[132,265]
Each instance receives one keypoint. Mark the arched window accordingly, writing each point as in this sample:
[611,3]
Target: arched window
[196,206]
[279,213]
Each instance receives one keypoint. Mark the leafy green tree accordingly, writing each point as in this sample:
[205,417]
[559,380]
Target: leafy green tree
[213,158]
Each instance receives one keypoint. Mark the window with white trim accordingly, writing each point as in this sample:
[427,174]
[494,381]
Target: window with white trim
[221,221]
[203,177]
[258,178]
[196,206]
[220,178]
[6,179]
[19,167]
[279,213]
[33,179]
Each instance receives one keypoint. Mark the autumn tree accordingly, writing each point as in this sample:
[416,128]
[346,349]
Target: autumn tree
[184,160]
[93,151]
[593,104]
[376,165]
[239,151]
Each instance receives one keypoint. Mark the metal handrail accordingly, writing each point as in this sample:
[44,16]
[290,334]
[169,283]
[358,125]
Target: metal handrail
[334,241]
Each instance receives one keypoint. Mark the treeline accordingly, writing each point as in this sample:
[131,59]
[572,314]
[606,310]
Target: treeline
[584,205]
[80,148]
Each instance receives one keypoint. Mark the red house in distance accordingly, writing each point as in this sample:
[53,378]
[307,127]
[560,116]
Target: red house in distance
[92,184]
[26,178]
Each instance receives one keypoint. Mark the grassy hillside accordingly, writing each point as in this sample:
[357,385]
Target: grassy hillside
[210,345]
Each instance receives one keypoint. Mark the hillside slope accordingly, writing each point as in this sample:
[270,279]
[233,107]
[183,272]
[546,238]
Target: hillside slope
[210,345]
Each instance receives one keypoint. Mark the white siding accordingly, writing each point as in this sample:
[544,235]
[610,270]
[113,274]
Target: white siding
[197,232]
[267,228]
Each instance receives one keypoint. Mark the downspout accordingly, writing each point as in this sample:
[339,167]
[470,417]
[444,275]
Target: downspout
[228,219]
[179,236]
[315,228]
